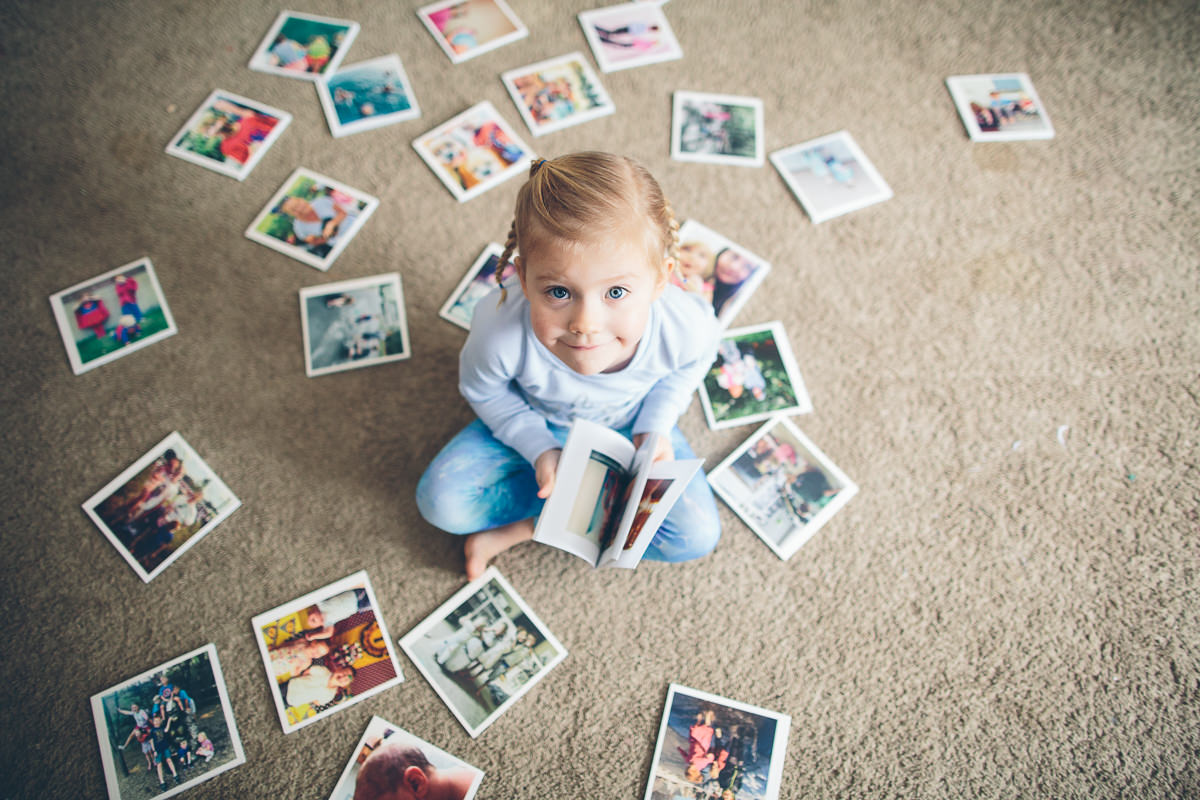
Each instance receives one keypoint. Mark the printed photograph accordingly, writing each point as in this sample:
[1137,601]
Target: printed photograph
[467,28]
[229,134]
[367,95]
[357,323]
[718,270]
[999,108]
[830,176]
[602,483]
[312,218]
[168,729]
[105,318]
[754,377]
[304,46]
[629,35]
[717,129]
[390,763]
[325,651]
[782,486]
[713,747]
[474,151]
[162,505]
[479,281]
[558,93]
[482,650]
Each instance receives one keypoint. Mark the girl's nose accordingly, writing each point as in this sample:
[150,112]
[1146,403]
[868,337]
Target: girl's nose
[586,317]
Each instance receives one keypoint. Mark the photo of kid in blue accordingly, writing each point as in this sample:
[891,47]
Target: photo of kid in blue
[366,95]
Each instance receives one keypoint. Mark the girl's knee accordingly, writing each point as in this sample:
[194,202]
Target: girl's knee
[441,509]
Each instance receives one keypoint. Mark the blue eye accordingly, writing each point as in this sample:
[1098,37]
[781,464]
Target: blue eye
[558,293]
[617,292]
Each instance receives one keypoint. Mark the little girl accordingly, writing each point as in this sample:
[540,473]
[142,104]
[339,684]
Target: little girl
[596,333]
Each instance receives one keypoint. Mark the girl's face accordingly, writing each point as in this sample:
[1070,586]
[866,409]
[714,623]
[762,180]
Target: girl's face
[732,267]
[589,301]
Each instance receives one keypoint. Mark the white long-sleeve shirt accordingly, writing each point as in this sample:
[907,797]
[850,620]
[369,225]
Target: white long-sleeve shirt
[516,385]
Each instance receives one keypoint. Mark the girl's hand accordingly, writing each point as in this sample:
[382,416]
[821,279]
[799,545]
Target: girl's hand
[545,468]
[662,448]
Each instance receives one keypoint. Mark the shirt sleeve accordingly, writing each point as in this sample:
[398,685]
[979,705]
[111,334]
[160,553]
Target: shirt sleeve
[689,334]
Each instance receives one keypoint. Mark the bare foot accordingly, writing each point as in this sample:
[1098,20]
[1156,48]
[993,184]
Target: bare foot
[482,547]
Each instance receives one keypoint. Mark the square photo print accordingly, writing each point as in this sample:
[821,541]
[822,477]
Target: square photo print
[999,108]
[304,46]
[754,378]
[830,176]
[367,95]
[479,281]
[168,729]
[782,486]
[325,651]
[312,218]
[383,763]
[629,35]
[717,129]
[558,93]
[104,318]
[482,649]
[162,505]
[474,151]
[721,272]
[467,28]
[356,323]
[710,746]
[229,134]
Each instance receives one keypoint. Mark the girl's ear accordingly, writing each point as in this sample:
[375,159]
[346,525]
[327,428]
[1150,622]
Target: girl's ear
[660,283]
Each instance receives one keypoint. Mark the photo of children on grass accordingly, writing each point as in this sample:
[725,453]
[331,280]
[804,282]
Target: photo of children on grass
[558,93]
[304,46]
[717,129]
[476,284]
[367,95]
[111,316]
[389,761]
[467,28]
[229,134]
[482,649]
[718,270]
[351,324]
[830,176]
[168,729]
[474,151]
[999,108]
[629,35]
[753,378]
[162,505]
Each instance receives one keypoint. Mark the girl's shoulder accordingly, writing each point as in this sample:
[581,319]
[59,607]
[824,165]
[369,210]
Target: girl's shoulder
[686,309]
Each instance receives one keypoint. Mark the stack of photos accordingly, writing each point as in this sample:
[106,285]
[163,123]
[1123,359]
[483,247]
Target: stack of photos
[629,35]
[830,176]
[710,746]
[555,94]
[782,486]
[999,108]
[382,760]
[162,505]
[312,218]
[754,377]
[474,151]
[366,95]
[467,28]
[304,46]
[168,729]
[229,134]
[482,649]
[355,323]
[479,281]
[718,270]
[113,315]
[717,129]
[325,651]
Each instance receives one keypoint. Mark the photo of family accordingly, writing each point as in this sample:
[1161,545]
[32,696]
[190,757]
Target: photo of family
[477,283]
[629,35]
[713,747]
[717,129]
[357,323]
[168,729]
[718,270]
[467,28]
[162,505]
[999,108]
[754,377]
[325,651]
[304,46]
[782,486]
[390,763]
[482,649]
[555,94]
[474,151]
[830,176]
[312,218]
[229,134]
[367,95]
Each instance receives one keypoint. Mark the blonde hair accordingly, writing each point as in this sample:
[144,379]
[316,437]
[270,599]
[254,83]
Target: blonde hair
[583,196]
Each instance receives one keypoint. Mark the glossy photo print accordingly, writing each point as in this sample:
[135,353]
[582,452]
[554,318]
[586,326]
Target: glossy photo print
[229,134]
[474,151]
[356,323]
[479,281]
[367,95]
[629,35]
[304,46]
[754,378]
[467,28]
[717,129]
[718,270]
[557,93]
[830,176]
[999,108]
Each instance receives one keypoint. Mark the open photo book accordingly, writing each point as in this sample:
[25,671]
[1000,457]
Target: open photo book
[609,497]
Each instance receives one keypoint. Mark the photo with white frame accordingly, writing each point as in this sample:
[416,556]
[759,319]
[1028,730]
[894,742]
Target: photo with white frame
[355,323]
[737,372]
[710,128]
[269,53]
[830,176]
[389,97]
[218,111]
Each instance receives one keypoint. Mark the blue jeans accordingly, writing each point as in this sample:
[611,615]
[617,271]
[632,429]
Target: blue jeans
[477,483]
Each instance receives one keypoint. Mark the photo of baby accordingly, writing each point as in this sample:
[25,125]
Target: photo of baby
[304,46]
[718,270]
[351,324]
[389,761]
[228,134]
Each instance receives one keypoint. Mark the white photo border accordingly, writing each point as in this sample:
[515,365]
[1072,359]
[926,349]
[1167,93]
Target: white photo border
[680,98]
[747,289]
[338,129]
[462,195]
[256,57]
[603,109]
[783,346]
[385,279]
[821,214]
[240,171]
[962,104]
[586,21]
[425,12]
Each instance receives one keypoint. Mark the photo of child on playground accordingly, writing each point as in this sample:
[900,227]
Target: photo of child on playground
[302,45]
[353,324]
[380,768]
[229,133]
[753,378]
